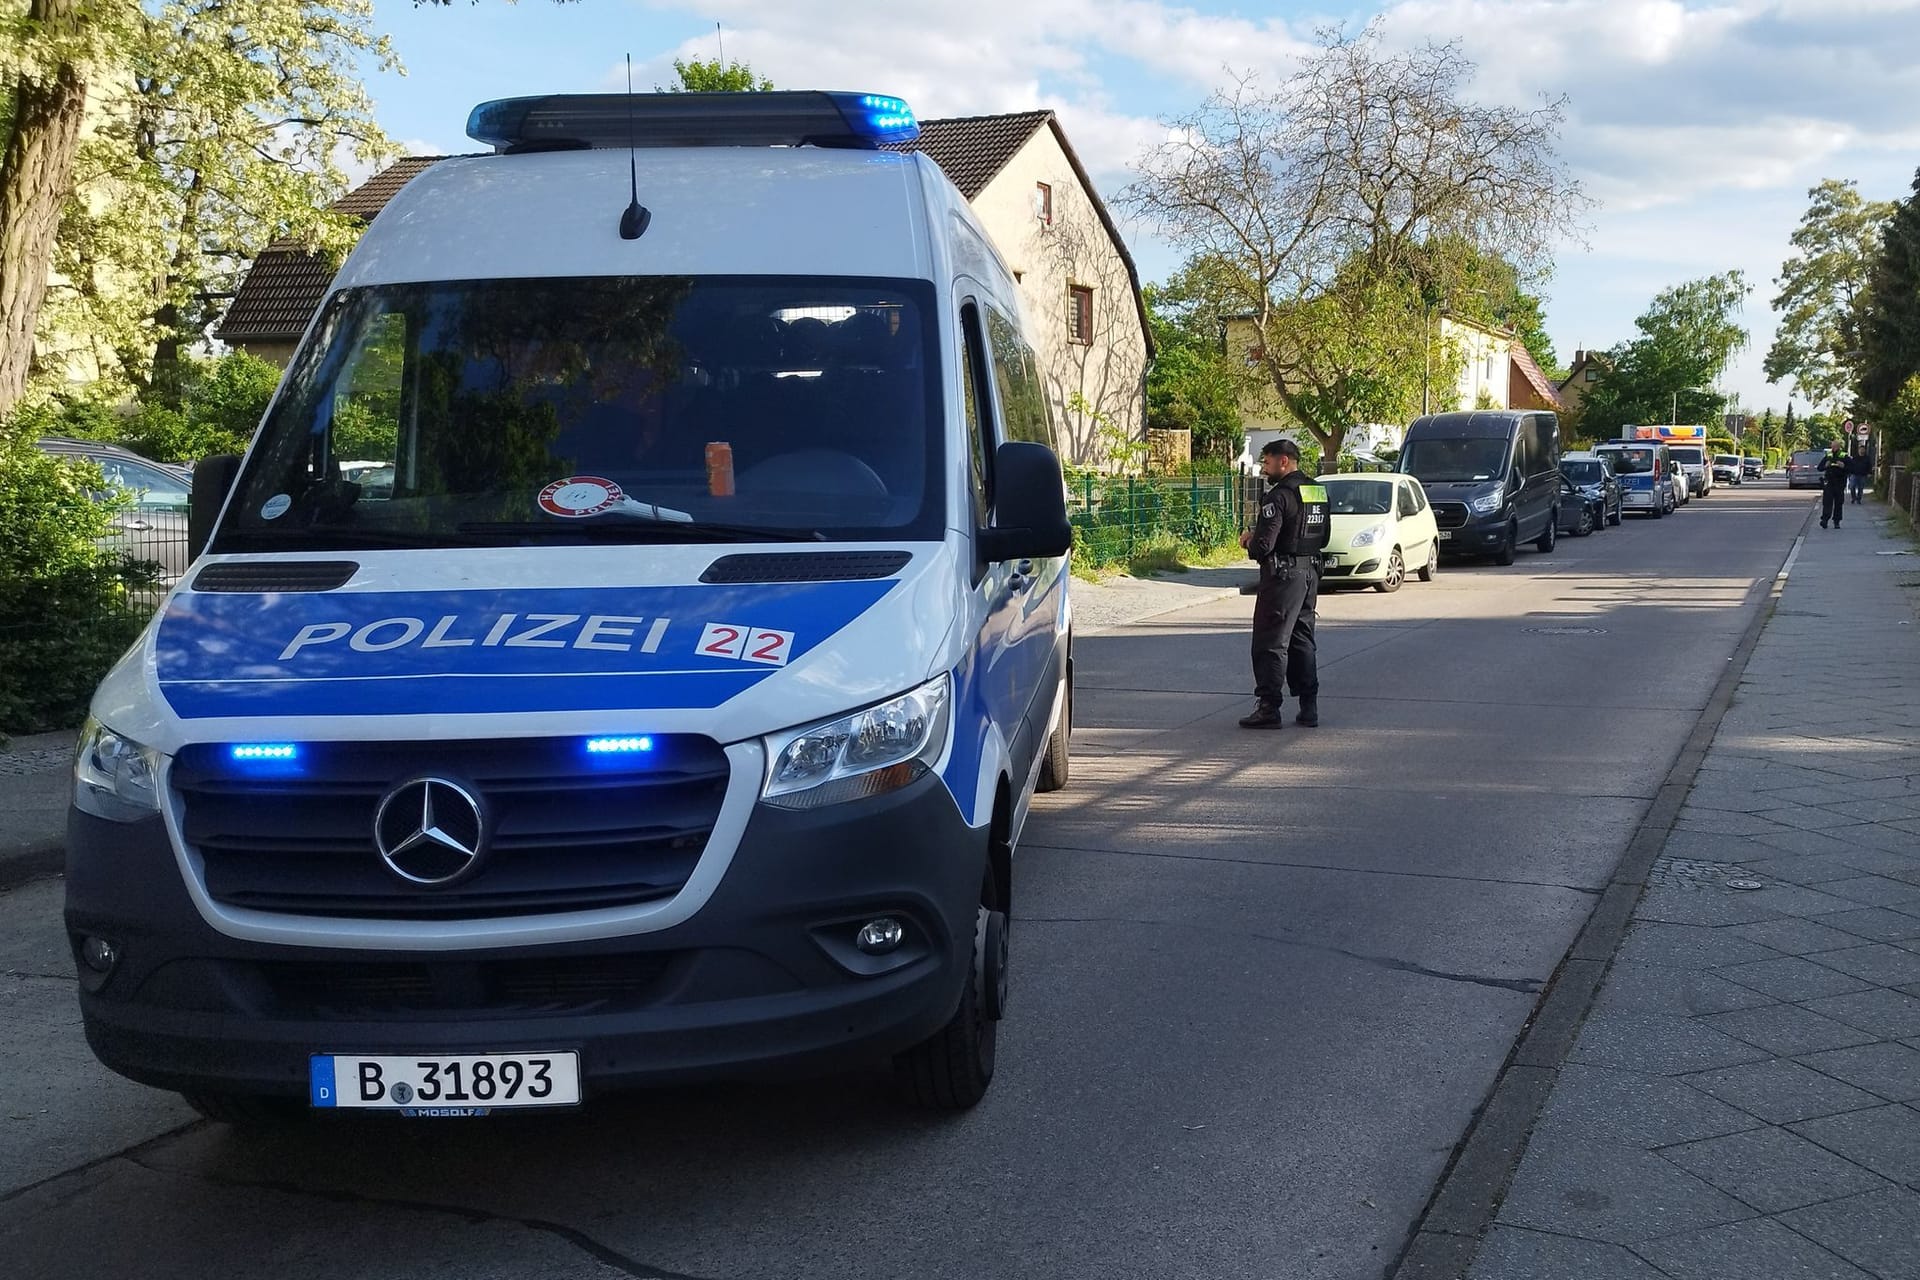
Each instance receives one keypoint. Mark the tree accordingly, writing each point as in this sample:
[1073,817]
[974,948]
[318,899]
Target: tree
[1193,385]
[228,134]
[48,57]
[1687,338]
[712,75]
[1823,293]
[1323,199]
[1892,328]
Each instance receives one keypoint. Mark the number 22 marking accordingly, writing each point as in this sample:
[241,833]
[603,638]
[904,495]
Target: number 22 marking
[763,645]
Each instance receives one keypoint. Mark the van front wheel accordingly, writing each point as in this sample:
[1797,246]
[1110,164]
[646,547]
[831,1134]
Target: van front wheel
[1508,548]
[1056,765]
[951,1070]
[1544,543]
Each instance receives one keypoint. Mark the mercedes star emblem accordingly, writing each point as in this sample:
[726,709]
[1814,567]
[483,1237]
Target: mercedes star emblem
[430,831]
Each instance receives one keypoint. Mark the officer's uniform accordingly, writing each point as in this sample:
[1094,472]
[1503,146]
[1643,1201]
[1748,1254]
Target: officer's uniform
[1834,469]
[1283,611]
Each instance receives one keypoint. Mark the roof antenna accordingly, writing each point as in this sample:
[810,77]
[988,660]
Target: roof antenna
[633,223]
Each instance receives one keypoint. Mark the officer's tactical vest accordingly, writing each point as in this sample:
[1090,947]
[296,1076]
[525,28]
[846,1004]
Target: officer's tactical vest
[1309,532]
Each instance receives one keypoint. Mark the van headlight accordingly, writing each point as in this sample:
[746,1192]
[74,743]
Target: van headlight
[868,753]
[1488,502]
[115,777]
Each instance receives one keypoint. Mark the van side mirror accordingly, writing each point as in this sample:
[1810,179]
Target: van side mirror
[1029,506]
[212,481]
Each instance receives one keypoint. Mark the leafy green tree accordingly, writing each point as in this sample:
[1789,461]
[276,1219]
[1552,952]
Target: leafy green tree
[1687,338]
[1823,293]
[1892,329]
[226,129]
[1323,200]
[1193,385]
[711,75]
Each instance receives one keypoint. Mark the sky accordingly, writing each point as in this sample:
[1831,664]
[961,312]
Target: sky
[1698,127]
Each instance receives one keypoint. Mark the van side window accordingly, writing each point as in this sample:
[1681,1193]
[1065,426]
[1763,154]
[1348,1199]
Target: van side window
[1545,430]
[1522,460]
[978,409]
[1023,406]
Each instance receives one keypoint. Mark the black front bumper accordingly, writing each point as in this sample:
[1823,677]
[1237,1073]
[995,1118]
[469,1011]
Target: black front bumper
[763,979]
[1479,536]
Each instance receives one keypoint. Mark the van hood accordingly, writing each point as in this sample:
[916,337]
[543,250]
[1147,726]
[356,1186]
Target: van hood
[1458,490]
[728,642]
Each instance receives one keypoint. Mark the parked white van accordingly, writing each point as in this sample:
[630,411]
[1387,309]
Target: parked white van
[673,706]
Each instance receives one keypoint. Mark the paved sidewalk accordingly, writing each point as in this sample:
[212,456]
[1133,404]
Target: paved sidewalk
[1743,1102]
[34,773]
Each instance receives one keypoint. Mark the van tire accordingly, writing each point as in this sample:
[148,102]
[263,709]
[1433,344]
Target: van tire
[1544,543]
[245,1110]
[1615,516]
[1509,548]
[1057,764]
[951,1070]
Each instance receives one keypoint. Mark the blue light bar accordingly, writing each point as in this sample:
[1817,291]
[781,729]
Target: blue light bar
[253,751]
[618,746]
[787,118]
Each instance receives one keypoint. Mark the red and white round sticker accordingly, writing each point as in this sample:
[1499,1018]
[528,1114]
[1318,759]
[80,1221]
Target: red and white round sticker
[578,496]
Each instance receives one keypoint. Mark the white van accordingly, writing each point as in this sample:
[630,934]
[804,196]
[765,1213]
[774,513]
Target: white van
[672,707]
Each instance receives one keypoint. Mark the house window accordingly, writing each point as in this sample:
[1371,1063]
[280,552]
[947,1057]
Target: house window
[1043,202]
[1080,314]
[1591,374]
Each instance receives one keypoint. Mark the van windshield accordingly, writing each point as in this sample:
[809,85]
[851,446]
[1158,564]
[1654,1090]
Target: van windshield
[1632,462]
[1455,461]
[1685,454]
[1359,497]
[645,409]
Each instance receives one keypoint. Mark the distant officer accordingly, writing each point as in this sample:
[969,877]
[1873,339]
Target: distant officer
[1286,542]
[1834,470]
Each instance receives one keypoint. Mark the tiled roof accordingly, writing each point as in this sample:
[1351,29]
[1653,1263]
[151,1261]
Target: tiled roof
[286,283]
[1536,377]
[972,150]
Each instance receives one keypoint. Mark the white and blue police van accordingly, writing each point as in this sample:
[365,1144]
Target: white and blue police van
[658,694]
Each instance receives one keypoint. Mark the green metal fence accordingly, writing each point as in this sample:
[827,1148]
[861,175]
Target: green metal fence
[1116,518]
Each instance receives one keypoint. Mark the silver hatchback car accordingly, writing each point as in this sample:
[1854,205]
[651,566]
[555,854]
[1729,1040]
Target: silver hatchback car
[154,527]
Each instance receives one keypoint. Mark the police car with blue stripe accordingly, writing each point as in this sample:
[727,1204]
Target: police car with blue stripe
[672,707]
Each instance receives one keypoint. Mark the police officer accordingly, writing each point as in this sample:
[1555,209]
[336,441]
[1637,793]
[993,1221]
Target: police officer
[1283,611]
[1834,469]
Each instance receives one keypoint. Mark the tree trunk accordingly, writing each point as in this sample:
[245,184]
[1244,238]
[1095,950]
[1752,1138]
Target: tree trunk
[36,176]
[168,375]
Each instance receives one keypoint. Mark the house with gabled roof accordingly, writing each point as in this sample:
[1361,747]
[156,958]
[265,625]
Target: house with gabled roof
[1030,191]
[1528,386]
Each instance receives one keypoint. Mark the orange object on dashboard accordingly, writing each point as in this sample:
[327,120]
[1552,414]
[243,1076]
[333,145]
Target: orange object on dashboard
[720,469]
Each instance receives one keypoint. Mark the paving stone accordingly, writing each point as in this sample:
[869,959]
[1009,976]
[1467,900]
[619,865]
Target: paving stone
[1884,1139]
[1687,946]
[1787,1029]
[1796,937]
[1878,962]
[1647,988]
[1887,1069]
[1807,818]
[1879,1230]
[1832,794]
[1889,1015]
[1511,1253]
[1799,900]
[1901,859]
[1873,891]
[1805,868]
[1657,1044]
[1806,842]
[1792,978]
[1602,1192]
[1780,1091]
[1633,1109]
[1773,1170]
[1873,810]
[1876,923]
[1747,1251]
[1732,824]
[1894,839]
[1705,905]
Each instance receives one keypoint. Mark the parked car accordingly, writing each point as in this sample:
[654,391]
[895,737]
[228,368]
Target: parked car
[1576,511]
[1380,524]
[1682,485]
[1803,468]
[1493,475]
[154,526]
[1753,468]
[1646,473]
[1727,468]
[1593,476]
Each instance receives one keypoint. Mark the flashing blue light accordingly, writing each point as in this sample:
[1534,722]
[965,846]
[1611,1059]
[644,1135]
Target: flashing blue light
[618,746]
[612,120]
[255,751]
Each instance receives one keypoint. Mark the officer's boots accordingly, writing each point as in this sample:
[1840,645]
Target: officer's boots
[1265,716]
[1309,711]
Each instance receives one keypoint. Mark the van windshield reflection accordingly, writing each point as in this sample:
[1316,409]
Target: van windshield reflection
[1455,461]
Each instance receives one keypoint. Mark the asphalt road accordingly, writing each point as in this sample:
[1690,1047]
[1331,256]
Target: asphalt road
[1262,981]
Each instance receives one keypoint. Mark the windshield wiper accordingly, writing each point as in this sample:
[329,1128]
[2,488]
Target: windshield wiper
[643,529]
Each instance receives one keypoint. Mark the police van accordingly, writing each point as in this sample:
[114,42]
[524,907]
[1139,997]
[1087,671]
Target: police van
[671,708]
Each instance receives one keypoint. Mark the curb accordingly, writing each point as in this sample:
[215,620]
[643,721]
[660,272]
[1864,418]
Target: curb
[1446,1237]
[33,861]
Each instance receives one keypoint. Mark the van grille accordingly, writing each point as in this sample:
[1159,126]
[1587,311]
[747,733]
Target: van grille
[1450,515]
[566,832]
[377,989]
